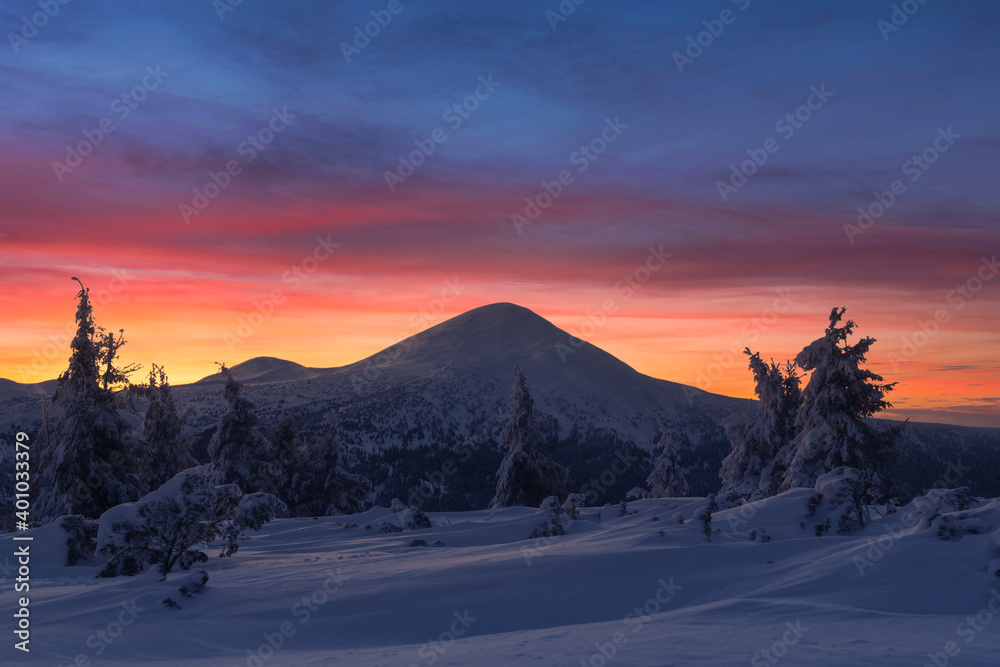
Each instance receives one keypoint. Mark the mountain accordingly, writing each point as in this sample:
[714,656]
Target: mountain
[464,364]
[262,370]
[409,408]
[486,343]
[10,390]
[463,367]
[475,353]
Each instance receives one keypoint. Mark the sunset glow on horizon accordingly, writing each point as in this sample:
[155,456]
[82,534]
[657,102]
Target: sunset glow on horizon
[323,248]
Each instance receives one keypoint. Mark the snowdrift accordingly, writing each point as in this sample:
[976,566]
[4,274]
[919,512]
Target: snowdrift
[637,584]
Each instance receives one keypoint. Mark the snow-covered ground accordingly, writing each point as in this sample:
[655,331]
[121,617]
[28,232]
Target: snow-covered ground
[639,589]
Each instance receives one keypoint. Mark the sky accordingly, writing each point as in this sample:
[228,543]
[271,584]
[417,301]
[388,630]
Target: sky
[671,181]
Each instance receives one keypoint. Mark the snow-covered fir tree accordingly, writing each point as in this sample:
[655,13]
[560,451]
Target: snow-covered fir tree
[839,397]
[165,451]
[760,438]
[668,479]
[291,461]
[329,487]
[88,466]
[113,375]
[241,453]
[525,476]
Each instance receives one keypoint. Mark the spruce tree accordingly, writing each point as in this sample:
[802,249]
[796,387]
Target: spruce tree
[165,451]
[88,466]
[831,422]
[291,462]
[241,453]
[330,488]
[755,467]
[525,476]
[668,479]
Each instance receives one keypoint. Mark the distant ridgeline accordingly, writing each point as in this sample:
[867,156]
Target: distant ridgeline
[423,417]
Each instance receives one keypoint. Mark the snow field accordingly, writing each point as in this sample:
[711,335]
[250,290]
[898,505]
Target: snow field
[639,589]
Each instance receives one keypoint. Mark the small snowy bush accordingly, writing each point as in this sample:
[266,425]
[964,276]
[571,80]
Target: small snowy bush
[704,515]
[553,527]
[163,527]
[81,538]
[547,529]
[842,497]
[193,584]
[573,504]
[406,518]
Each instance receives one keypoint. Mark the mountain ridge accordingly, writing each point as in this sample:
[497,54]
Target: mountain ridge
[436,391]
[498,334]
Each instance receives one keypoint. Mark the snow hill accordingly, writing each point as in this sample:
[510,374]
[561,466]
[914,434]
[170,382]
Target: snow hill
[464,366]
[262,370]
[638,589]
[436,388]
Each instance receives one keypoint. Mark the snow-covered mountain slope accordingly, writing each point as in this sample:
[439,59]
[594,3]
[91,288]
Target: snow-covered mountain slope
[639,589]
[460,371]
[15,390]
[451,376]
